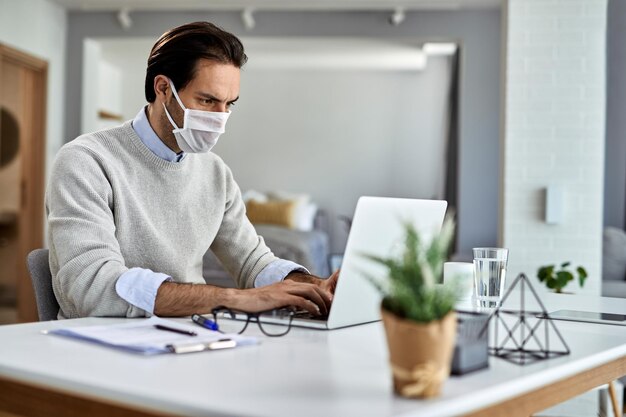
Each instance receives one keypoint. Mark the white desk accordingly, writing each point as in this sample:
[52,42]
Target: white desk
[306,373]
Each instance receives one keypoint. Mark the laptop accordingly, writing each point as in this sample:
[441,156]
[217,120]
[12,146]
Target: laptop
[377,229]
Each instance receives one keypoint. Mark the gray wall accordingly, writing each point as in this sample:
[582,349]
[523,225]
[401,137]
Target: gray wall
[615,162]
[478,32]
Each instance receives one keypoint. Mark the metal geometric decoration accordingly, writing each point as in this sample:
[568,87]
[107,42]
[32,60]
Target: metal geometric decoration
[527,339]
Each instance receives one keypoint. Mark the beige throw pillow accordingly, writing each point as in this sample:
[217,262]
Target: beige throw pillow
[281,213]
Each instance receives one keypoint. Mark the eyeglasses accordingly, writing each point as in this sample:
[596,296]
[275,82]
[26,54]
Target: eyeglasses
[241,319]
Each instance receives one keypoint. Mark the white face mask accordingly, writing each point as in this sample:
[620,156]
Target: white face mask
[201,129]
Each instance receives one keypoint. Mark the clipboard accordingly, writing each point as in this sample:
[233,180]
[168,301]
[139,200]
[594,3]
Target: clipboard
[141,336]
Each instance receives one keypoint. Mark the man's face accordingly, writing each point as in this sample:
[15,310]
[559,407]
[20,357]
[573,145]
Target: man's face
[214,87]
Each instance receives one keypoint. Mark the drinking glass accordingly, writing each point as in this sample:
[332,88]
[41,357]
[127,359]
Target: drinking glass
[489,275]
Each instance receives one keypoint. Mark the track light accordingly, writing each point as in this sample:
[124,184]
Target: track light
[247,17]
[397,16]
[123,17]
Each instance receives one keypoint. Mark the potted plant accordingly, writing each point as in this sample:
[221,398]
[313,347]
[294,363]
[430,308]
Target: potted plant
[418,316]
[556,280]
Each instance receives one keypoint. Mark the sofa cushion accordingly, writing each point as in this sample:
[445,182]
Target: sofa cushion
[613,254]
[281,213]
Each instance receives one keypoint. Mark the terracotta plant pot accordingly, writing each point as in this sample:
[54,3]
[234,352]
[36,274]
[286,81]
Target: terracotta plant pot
[420,353]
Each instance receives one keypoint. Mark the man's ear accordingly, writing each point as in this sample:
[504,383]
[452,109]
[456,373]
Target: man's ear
[161,86]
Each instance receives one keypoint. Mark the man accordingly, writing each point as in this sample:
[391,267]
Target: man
[132,209]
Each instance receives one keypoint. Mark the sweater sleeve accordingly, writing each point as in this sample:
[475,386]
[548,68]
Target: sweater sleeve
[85,256]
[242,252]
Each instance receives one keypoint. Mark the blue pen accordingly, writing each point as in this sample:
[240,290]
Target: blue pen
[204,322]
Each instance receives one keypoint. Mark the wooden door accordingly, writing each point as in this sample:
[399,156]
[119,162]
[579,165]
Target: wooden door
[23,101]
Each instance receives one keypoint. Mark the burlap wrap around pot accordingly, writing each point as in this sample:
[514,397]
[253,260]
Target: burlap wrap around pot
[420,353]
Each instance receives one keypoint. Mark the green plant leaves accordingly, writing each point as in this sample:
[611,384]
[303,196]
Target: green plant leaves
[545,272]
[429,305]
[557,279]
[412,292]
[562,278]
[582,275]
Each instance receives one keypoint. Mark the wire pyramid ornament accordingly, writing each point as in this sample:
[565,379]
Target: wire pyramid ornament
[527,339]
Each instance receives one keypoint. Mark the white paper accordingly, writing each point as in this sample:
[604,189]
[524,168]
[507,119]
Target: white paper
[140,335]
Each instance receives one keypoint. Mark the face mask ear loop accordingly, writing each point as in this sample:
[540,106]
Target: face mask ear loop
[176,95]
[180,103]
[170,117]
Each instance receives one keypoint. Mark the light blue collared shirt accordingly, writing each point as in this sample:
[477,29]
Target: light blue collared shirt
[139,286]
[142,127]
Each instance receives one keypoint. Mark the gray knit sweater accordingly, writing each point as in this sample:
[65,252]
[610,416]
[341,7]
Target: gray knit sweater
[113,205]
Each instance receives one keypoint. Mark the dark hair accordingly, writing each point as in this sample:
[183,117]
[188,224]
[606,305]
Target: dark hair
[177,51]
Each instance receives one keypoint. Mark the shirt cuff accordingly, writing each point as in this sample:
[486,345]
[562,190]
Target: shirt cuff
[139,286]
[276,272]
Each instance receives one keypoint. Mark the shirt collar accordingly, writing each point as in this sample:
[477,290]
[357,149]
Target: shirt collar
[142,127]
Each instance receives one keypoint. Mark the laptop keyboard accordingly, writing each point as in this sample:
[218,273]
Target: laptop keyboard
[303,314]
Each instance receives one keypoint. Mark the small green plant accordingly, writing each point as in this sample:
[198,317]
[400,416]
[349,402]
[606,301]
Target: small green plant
[557,279]
[411,292]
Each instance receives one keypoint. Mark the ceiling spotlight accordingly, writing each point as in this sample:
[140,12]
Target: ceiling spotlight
[247,17]
[397,16]
[123,17]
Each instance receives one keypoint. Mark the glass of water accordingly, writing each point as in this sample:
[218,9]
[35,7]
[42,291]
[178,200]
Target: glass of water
[489,275]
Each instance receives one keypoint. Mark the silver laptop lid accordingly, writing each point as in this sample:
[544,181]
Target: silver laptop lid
[377,229]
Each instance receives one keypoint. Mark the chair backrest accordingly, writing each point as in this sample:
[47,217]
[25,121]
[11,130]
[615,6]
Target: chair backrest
[39,268]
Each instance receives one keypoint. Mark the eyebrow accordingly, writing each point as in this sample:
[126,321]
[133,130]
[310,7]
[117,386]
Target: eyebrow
[212,97]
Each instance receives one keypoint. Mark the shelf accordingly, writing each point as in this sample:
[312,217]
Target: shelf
[103,114]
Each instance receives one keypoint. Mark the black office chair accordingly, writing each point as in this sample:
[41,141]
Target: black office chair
[39,269]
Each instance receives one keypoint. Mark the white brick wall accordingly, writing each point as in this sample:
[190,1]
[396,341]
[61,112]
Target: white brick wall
[554,133]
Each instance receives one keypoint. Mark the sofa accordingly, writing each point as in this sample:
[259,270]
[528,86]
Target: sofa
[307,248]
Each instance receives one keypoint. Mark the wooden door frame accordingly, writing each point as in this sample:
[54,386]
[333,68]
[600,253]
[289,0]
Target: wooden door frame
[31,215]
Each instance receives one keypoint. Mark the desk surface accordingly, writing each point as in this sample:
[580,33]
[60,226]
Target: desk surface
[307,372]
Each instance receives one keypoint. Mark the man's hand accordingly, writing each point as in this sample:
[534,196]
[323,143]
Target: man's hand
[305,295]
[328,285]
[300,290]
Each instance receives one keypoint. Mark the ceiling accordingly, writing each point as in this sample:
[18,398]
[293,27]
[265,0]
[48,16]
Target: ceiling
[152,5]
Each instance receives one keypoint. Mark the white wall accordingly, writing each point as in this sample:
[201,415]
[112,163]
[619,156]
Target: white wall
[102,89]
[340,134]
[39,28]
[129,56]
[110,88]
[91,85]
[554,134]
